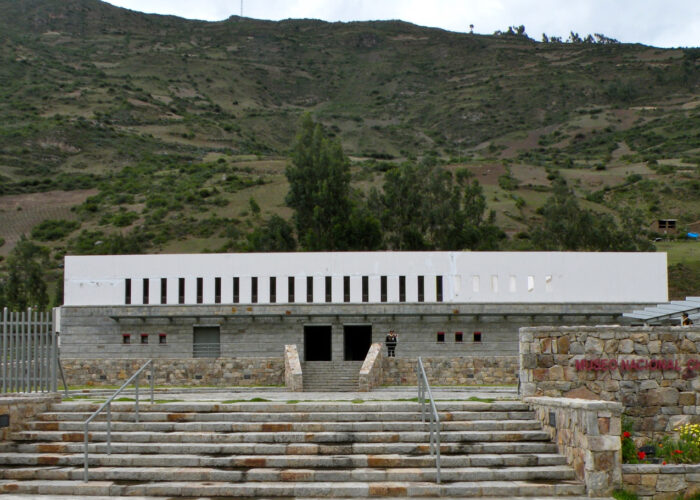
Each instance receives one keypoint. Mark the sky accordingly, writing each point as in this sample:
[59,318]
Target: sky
[660,23]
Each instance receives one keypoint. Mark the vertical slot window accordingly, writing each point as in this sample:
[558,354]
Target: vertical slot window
[290,289]
[441,337]
[144,338]
[126,338]
[365,289]
[329,289]
[309,289]
[421,289]
[476,283]
[477,336]
[530,283]
[127,291]
[273,289]
[181,290]
[254,289]
[145,290]
[164,290]
[402,288]
[162,338]
[459,336]
[548,283]
[438,288]
[382,291]
[494,283]
[512,284]
[200,290]
[217,290]
[346,288]
[236,290]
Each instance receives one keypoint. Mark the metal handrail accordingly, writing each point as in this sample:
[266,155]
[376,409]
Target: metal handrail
[108,404]
[434,424]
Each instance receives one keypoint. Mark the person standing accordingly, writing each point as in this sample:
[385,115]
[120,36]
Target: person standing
[391,341]
[685,320]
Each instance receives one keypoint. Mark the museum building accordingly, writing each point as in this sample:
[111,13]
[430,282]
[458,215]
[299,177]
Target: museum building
[334,305]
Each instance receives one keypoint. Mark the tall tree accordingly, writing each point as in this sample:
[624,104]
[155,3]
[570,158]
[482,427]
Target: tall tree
[568,226]
[423,207]
[25,285]
[319,189]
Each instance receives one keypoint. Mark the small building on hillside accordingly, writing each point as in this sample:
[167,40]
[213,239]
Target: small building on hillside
[334,305]
[665,226]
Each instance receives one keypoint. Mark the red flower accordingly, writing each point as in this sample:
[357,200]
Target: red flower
[626,434]
[641,455]
[678,451]
[663,463]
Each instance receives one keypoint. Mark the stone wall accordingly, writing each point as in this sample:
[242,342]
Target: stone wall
[662,482]
[22,408]
[221,372]
[452,370]
[293,377]
[653,371]
[588,434]
[371,373]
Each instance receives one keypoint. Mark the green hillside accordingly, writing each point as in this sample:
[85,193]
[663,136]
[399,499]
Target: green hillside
[155,133]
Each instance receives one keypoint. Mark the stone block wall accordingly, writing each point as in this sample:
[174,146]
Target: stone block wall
[220,372]
[293,377]
[22,408]
[371,373]
[662,482]
[447,370]
[588,434]
[653,371]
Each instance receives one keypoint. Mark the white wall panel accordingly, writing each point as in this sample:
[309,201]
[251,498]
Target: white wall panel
[577,277]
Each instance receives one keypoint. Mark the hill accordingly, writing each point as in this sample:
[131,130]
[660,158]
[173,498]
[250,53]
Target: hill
[174,131]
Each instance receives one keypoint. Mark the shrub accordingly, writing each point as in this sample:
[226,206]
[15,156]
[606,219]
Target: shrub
[53,229]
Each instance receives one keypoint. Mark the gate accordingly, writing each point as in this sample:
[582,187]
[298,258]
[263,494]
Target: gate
[28,351]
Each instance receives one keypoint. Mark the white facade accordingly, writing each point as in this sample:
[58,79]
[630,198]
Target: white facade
[467,277]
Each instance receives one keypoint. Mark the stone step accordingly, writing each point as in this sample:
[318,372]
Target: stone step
[72,455]
[448,426]
[196,489]
[394,416]
[286,437]
[300,407]
[255,474]
[285,417]
[291,449]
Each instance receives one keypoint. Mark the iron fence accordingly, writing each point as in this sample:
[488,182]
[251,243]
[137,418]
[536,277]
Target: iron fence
[28,351]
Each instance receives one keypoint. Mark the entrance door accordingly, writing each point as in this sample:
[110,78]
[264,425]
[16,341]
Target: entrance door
[317,343]
[206,342]
[357,340]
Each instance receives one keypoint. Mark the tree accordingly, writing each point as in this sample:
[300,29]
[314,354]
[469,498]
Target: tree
[423,208]
[25,285]
[567,226]
[276,235]
[319,187]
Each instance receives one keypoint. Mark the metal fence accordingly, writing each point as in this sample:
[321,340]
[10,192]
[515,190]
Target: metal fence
[28,351]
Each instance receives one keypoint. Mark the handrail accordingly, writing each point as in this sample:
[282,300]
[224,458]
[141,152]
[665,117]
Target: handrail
[108,404]
[434,424]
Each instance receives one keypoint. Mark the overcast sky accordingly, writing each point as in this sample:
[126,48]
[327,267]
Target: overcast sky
[661,23]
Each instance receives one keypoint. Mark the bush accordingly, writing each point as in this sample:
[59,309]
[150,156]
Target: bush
[53,229]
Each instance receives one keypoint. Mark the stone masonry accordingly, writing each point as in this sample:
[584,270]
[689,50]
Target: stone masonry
[653,371]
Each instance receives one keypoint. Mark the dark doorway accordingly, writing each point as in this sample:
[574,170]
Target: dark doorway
[206,342]
[317,343]
[357,340]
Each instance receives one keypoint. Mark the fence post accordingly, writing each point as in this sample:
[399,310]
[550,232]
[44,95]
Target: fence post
[5,353]
[53,363]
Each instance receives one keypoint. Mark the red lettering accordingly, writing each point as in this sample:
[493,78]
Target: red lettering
[606,364]
[613,364]
[580,364]
[653,365]
[624,364]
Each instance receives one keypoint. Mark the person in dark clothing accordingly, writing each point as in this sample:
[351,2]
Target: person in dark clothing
[685,320]
[391,340]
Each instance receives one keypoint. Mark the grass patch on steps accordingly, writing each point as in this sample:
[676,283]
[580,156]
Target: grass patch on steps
[252,400]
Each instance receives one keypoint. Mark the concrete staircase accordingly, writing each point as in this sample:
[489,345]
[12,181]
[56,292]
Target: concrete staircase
[331,376]
[303,450]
